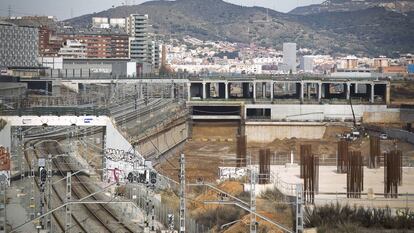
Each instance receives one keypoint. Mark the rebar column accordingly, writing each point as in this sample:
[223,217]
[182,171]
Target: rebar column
[264,166]
[241,151]
[392,173]
[355,175]
[305,150]
[342,156]
[374,152]
[310,177]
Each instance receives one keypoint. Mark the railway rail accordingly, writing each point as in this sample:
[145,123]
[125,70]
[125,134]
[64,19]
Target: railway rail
[55,215]
[102,214]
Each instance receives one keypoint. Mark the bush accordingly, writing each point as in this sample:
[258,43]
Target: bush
[244,196]
[273,195]
[277,198]
[342,217]
[220,215]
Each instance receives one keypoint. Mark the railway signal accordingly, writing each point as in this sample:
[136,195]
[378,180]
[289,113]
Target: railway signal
[43,175]
[143,176]
[171,221]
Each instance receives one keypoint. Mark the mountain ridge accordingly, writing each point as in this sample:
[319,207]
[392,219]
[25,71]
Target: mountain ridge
[323,32]
[402,6]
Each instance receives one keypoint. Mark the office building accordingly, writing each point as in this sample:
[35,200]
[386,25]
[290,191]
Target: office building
[289,56]
[307,63]
[19,46]
[95,67]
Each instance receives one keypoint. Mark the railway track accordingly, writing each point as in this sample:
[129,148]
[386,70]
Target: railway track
[99,212]
[55,217]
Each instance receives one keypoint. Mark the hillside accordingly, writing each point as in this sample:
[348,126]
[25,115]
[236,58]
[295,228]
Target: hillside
[374,31]
[352,5]
[370,31]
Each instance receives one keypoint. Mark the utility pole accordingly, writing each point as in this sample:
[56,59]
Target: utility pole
[32,204]
[182,194]
[21,152]
[299,208]
[49,192]
[68,216]
[150,213]
[3,200]
[252,198]
[42,198]
[152,218]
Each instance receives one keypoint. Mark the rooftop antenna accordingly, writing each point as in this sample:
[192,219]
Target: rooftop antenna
[10,11]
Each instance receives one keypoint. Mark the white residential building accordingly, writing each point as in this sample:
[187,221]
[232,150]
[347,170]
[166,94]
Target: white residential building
[289,56]
[73,49]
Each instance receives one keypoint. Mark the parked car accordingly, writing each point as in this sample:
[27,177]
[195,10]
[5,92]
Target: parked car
[383,136]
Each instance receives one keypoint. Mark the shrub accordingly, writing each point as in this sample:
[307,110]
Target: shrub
[342,217]
[220,215]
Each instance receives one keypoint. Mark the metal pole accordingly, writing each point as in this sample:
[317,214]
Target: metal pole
[49,192]
[252,197]
[68,216]
[182,194]
[21,153]
[299,208]
[3,188]
[32,203]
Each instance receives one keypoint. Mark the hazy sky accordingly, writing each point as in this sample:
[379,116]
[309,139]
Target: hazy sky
[63,10]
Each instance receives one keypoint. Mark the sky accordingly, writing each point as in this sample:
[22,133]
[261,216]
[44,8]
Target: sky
[64,9]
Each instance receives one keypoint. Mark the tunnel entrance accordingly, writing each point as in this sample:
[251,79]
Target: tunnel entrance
[216,110]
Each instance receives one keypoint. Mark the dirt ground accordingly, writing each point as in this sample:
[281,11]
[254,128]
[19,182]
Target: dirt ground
[204,156]
[402,92]
[202,160]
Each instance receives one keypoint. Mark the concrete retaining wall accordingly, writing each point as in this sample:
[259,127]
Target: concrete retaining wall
[115,140]
[160,143]
[214,131]
[381,117]
[320,112]
[267,132]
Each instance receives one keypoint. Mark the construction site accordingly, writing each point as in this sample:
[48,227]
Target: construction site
[200,155]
